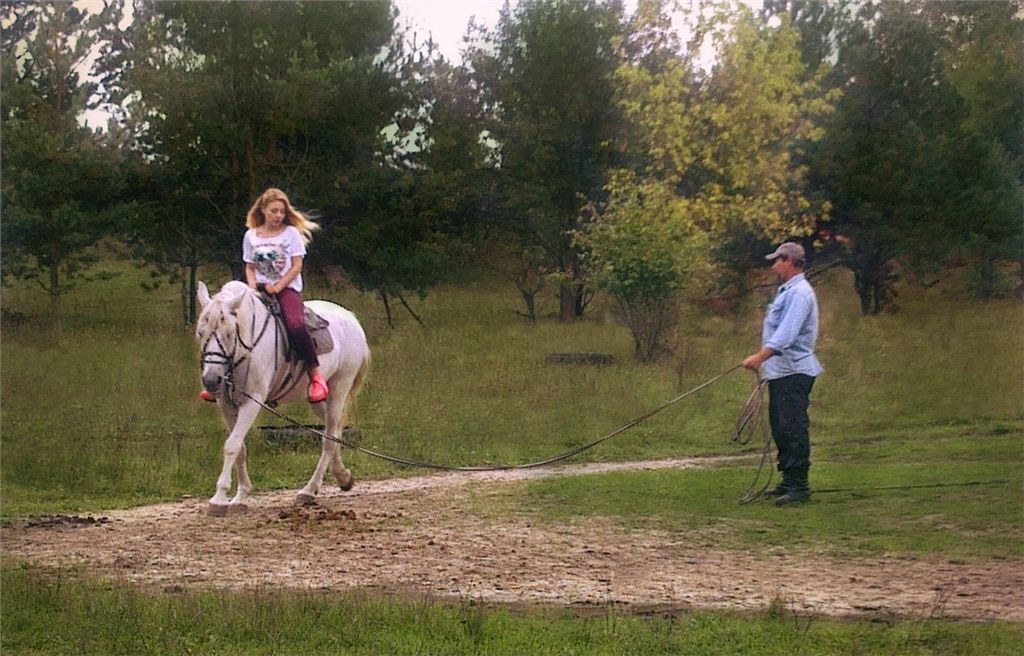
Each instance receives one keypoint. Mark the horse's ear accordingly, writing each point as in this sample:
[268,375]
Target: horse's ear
[234,302]
[203,294]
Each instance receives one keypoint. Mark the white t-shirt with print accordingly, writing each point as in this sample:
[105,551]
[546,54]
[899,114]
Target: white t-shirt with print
[273,255]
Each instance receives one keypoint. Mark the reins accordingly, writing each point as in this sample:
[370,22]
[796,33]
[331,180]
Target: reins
[266,323]
[483,468]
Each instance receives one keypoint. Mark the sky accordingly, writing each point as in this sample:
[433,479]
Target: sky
[446,20]
[443,20]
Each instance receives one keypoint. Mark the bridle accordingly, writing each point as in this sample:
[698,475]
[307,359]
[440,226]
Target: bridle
[213,350]
[220,355]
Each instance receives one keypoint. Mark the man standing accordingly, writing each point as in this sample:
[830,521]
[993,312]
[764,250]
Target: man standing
[787,361]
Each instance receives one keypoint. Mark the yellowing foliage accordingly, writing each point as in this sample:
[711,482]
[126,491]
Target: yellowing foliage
[718,152]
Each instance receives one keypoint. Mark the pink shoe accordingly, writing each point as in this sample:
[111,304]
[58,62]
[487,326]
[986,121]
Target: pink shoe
[317,389]
[206,396]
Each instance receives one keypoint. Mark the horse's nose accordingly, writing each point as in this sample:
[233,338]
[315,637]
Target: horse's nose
[212,383]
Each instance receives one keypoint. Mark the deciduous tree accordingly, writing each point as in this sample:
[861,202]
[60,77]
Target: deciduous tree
[718,154]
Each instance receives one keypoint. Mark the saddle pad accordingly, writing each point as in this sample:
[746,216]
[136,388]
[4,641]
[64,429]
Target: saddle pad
[317,327]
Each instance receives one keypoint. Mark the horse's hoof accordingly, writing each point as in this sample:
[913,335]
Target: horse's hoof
[217,509]
[303,499]
[238,509]
[346,481]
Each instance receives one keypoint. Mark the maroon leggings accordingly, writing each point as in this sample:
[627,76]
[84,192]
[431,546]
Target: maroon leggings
[295,324]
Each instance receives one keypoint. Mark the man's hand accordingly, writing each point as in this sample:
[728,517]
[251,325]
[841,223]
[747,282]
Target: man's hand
[754,362]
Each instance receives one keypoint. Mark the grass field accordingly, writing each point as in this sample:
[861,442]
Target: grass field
[472,388]
[48,613]
[956,521]
[932,394]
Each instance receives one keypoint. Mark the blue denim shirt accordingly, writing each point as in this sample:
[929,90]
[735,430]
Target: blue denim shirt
[791,328]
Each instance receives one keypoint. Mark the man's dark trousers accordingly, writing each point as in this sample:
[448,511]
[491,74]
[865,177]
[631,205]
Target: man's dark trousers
[788,399]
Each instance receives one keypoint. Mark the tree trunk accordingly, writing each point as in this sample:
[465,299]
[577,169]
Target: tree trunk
[189,280]
[387,307]
[193,274]
[568,302]
[987,274]
[1020,273]
[405,304]
[572,300]
[531,308]
[650,322]
[184,293]
[863,292]
[56,320]
[873,278]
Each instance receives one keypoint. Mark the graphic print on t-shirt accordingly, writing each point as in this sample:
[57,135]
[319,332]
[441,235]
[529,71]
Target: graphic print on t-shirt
[270,260]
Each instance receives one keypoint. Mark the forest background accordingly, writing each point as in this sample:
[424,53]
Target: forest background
[584,148]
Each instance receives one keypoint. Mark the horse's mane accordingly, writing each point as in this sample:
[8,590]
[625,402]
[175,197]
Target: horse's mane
[225,305]
[232,292]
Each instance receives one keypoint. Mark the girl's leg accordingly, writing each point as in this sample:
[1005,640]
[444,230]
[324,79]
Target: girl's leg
[295,324]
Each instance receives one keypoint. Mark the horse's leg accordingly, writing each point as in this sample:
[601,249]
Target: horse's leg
[342,475]
[329,449]
[244,484]
[233,447]
[351,387]
[241,466]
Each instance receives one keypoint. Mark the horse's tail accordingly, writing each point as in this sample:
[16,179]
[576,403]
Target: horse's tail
[357,384]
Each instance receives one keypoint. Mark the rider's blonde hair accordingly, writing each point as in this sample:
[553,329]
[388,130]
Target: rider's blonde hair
[292,216]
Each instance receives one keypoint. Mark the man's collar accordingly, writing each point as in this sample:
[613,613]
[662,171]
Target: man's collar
[792,281]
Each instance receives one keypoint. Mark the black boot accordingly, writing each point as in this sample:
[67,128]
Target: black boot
[793,496]
[787,483]
[797,489]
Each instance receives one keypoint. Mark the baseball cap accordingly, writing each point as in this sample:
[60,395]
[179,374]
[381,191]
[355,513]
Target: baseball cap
[790,249]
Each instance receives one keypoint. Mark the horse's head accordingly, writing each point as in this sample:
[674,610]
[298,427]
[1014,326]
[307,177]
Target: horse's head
[217,332]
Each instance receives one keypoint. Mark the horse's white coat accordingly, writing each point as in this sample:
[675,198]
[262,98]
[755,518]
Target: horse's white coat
[232,324]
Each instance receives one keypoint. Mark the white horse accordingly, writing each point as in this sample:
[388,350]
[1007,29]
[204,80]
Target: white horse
[242,343]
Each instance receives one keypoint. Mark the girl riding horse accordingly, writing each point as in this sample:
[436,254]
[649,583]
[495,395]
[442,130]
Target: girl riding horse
[273,249]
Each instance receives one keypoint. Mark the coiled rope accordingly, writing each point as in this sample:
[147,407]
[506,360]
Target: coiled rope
[752,421]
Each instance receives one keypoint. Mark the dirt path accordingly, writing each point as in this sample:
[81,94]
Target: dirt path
[415,536]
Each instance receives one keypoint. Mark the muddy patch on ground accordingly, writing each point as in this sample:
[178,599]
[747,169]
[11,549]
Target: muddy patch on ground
[420,536]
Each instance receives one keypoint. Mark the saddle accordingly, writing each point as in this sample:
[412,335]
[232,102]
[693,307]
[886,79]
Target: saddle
[316,326]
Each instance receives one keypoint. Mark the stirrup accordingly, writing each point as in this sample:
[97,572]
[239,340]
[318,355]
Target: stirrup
[318,389]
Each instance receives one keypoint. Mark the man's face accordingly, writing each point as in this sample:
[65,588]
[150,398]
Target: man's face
[784,268]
